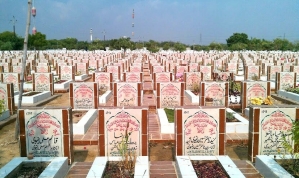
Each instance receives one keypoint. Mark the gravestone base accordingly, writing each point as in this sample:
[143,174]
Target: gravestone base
[99,164]
[34,98]
[85,122]
[82,77]
[62,87]
[58,166]
[185,169]
[237,127]
[5,115]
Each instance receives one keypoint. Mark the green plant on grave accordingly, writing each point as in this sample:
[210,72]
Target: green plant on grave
[255,77]
[293,90]
[128,156]
[230,116]
[169,114]
[291,147]
[195,87]
[2,106]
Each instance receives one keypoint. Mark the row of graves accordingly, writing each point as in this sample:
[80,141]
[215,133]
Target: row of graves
[199,136]
[123,129]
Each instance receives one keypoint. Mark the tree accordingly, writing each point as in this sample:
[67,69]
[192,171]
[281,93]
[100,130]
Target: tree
[237,38]
[215,46]
[37,41]
[123,43]
[152,46]
[179,47]
[10,41]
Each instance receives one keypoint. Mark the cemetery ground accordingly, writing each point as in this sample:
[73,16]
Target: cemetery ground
[158,151]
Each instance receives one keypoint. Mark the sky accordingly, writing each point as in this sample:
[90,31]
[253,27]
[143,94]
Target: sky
[186,21]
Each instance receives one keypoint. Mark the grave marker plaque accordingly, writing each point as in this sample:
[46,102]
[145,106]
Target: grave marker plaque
[13,78]
[214,94]
[285,80]
[46,132]
[161,77]
[192,78]
[200,132]
[67,72]
[115,70]
[251,72]
[206,72]
[253,89]
[43,82]
[113,126]
[127,94]
[170,94]
[271,74]
[104,80]
[267,125]
[7,94]
[133,77]
[84,95]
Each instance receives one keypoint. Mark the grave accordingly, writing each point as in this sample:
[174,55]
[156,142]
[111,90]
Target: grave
[185,168]
[253,89]
[104,79]
[13,78]
[127,94]
[58,167]
[84,95]
[116,126]
[7,95]
[200,131]
[170,94]
[266,126]
[46,132]
[214,94]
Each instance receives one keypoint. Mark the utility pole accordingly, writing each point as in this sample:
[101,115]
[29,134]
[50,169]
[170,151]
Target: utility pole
[104,32]
[14,21]
[17,128]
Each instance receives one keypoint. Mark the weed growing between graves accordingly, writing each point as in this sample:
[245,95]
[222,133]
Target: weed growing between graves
[169,114]
[291,147]
[2,106]
[125,167]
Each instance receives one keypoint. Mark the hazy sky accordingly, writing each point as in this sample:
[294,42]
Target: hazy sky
[186,21]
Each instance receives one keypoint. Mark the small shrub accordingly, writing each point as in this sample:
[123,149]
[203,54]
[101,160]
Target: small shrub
[169,114]
[2,106]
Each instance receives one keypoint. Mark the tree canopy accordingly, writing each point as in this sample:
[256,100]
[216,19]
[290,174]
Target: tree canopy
[238,41]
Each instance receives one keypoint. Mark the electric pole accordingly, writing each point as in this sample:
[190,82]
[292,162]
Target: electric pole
[14,21]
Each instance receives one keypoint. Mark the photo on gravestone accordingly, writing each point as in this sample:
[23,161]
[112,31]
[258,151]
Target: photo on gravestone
[44,133]
[122,125]
[200,132]
[274,124]
[127,94]
[83,95]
